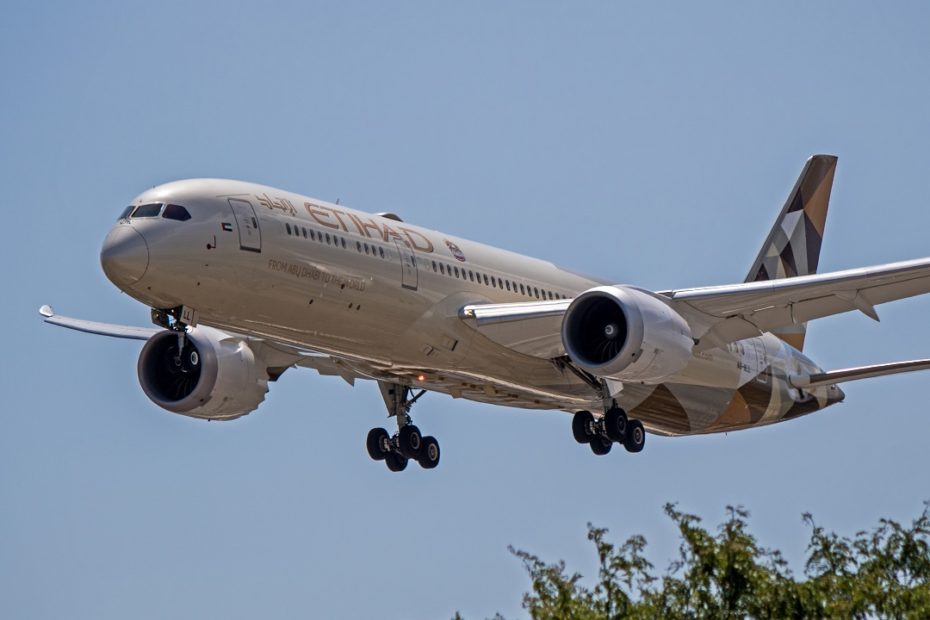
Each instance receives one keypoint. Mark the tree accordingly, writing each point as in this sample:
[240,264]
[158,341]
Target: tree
[727,574]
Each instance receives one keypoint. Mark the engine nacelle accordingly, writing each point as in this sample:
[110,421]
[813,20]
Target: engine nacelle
[626,334]
[217,378]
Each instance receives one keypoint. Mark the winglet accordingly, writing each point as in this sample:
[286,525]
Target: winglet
[46,311]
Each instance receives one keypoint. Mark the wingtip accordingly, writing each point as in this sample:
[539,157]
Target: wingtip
[46,311]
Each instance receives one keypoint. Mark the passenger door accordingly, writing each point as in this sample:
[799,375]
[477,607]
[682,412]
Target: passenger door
[409,276]
[250,235]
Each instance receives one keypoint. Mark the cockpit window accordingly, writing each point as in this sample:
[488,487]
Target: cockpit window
[151,210]
[125,214]
[176,212]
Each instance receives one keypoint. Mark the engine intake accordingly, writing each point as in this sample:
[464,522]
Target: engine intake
[626,334]
[217,376]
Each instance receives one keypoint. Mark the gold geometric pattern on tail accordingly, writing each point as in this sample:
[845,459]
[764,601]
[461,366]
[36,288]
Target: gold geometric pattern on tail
[793,245]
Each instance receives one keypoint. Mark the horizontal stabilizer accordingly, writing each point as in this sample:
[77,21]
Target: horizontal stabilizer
[93,327]
[861,372]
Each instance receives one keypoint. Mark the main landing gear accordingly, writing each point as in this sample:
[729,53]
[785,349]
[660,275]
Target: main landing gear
[613,427]
[407,443]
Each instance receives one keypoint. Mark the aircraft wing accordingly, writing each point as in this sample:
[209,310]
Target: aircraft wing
[93,327]
[860,372]
[722,314]
[719,315]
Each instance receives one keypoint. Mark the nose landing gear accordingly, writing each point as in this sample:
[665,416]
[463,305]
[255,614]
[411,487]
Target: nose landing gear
[178,320]
[613,427]
[407,443]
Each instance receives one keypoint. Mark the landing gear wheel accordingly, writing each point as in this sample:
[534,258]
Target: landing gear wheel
[395,462]
[635,436]
[615,424]
[583,427]
[378,440]
[411,441]
[600,445]
[429,453]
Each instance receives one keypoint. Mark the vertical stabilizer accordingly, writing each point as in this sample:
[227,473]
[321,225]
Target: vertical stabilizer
[793,245]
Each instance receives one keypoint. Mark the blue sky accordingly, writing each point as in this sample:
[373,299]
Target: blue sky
[651,143]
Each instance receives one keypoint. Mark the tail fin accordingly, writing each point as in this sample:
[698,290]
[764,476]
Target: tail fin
[793,245]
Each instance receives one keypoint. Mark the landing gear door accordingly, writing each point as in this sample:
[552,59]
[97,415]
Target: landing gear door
[409,276]
[250,235]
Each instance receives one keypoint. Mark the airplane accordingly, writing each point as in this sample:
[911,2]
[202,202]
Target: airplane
[246,281]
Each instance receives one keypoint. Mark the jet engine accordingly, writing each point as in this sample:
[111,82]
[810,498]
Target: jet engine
[626,334]
[216,376]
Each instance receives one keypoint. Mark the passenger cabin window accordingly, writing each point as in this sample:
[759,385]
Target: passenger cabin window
[176,212]
[151,210]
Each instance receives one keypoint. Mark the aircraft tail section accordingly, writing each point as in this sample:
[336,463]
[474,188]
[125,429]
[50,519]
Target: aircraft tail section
[793,245]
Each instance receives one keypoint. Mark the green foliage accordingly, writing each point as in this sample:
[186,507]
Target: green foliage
[884,573]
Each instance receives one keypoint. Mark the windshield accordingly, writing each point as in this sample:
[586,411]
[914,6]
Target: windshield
[151,210]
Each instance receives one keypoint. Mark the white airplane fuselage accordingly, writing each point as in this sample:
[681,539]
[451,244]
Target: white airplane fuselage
[385,297]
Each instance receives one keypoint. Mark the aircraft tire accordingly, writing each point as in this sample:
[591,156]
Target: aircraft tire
[429,453]
[375,443]
[411,441]
[615,423]
[635,436]
[395,462]
[581,422]
[600,446]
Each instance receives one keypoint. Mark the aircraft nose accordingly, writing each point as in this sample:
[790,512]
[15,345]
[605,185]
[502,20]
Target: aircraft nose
[124,255]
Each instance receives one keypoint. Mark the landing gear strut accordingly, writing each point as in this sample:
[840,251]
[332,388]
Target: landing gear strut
[407,443]
[613,427]
[178,320]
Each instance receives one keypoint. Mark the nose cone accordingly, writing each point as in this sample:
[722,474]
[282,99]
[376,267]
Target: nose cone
[124,255]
